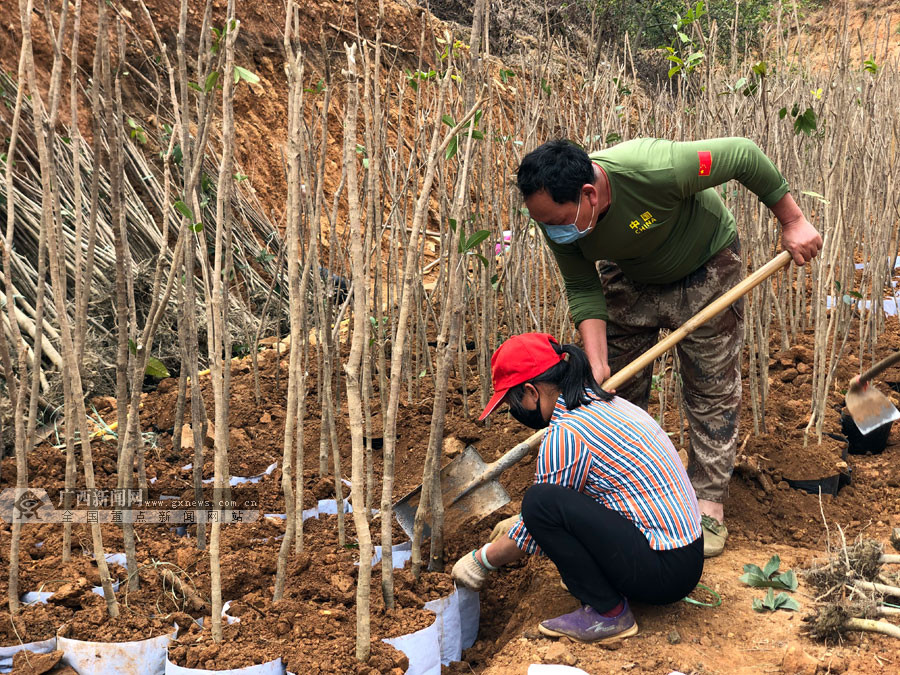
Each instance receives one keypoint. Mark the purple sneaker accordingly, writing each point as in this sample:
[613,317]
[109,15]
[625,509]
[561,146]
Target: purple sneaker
[588,625]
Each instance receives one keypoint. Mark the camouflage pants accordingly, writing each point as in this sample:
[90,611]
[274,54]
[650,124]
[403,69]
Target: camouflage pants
[709,357]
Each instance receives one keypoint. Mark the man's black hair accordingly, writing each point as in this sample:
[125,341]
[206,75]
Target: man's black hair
[560,167]
[573,376]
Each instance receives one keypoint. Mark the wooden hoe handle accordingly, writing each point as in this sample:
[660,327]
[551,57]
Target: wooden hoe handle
[700,318]
[882,365]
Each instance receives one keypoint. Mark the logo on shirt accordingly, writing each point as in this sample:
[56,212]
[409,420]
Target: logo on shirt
[705,157]
[646,220]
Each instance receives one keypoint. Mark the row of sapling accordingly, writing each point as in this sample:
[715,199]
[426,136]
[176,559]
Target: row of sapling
[387,221]
[45,117]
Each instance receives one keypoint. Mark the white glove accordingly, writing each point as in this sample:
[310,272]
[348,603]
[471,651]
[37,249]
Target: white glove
[501,528]
[469,572]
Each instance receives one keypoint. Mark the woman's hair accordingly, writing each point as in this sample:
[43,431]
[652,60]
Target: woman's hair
[573,376]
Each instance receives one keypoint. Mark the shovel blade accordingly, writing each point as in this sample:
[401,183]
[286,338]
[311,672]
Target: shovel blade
[870,409]
[459,508]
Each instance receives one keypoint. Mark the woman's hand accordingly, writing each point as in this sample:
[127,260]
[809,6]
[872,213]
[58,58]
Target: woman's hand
[468,571]
[501,528]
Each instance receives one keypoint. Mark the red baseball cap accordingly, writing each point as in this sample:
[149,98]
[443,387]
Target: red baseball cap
[518,360]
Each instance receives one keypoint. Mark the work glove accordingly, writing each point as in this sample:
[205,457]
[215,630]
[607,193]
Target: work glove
[501,528]
[468,572]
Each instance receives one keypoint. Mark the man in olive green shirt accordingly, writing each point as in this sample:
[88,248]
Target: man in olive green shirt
[648,211]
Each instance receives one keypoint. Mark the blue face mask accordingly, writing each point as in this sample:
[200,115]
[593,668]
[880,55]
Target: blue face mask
[566,234]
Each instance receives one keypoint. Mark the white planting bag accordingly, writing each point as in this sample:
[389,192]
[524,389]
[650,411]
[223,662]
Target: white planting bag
[422,648]
[141,657]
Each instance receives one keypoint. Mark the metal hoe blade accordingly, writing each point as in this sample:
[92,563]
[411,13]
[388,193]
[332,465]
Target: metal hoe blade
[461,505]
[870,409]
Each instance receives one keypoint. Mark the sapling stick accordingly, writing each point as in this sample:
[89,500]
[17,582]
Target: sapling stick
[120,241]
[374,124]
[181,395]
[80,279]
[216,312]
[126,423]
[355,360]
[296,293]
[15,385]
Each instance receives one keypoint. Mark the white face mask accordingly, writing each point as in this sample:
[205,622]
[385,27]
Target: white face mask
[566,234]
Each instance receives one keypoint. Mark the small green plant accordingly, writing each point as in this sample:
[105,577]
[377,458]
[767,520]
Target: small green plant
[505,75]
[244,74]
[468,244]
[185,211]
[317,88]
[242,349]
[768,576]
[746,86]
[621,88]
[848,297]
[453,146]
[413,78]
[155,367]
[137,131]
[176,155]
[772,602]
[264,256]
[683,52]
[361,151]
[455,47]
[376,333]
[207,188]
[805,122]
[870,66]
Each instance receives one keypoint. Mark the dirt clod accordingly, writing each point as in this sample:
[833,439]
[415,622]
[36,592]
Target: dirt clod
[798,662]
[560,654]
[29,663]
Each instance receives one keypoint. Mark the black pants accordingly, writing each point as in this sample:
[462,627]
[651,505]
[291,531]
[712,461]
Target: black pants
[601,556]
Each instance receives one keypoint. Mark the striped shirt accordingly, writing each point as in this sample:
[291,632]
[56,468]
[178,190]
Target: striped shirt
[616,453]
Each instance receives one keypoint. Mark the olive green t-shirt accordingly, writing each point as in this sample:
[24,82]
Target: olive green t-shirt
[665,218]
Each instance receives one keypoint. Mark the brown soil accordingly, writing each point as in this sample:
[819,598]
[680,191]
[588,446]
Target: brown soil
[135,621]
[33,623]
[48,574]
[29,663]
[253,642]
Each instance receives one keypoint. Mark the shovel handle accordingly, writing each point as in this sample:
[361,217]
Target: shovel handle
[882,365]
[511,457]
[700,318]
